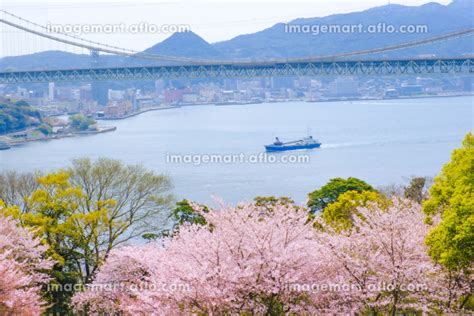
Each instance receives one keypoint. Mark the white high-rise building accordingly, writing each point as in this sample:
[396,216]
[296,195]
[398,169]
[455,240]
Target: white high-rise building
[51,91]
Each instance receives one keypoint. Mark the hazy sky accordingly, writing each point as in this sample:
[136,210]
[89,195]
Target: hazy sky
[213,20]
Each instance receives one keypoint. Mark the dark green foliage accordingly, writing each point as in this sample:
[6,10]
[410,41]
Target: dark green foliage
[152,236]
[271,200]
[45,129]
[185,213]
[17,116]
[268,202]
[416,190]
[182,214]
[80,122]
[21,103]
[329,193]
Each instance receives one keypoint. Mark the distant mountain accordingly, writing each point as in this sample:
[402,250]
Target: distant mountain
[185,44]
[55,60]
[44,60]
[182,44]
[274,42]
[440,19]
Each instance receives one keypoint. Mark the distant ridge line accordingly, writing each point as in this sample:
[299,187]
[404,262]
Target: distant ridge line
[194,61]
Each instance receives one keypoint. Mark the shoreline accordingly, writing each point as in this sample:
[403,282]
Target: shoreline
[381,99]
[284,101]
[135,113]
[104,129]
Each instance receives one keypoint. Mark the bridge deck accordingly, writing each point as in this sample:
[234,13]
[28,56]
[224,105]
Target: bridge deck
[249,69]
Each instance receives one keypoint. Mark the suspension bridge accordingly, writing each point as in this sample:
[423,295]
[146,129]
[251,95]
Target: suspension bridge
[345,64]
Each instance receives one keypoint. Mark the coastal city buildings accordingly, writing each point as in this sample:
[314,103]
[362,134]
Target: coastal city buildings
[102,100]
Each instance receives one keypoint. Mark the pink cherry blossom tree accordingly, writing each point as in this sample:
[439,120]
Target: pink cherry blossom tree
[22,267]
[263,260]
[383,262]
[243,260]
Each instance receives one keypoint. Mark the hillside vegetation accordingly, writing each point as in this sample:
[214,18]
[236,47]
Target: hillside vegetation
[17,115]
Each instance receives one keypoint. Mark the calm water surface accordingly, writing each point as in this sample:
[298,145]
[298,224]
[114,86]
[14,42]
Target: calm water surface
[382,142]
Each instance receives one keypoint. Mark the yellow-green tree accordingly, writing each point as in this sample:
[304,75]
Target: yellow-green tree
[340,213]
[328,193]
[84,212]
[69,233]
[451,242]
[452,196]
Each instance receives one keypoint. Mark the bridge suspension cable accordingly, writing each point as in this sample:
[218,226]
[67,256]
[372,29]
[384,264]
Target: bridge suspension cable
[110,49]
[440,38]
[87,44]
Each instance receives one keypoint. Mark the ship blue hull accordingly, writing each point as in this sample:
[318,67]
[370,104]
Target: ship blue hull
[291,147]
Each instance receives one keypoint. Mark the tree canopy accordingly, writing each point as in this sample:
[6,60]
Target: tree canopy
[259,262]
[341,213]
[452,197]
[84,212]
[80,122]
[319,199]
[416,190]
[17,116]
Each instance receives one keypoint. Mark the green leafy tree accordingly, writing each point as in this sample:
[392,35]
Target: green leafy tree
[416,190]
[181,214]
[56,218]
[340,213]
[270,201]
[80,122]
[319,199]
[45,129]
[83,213]
[185,213]
[452,241]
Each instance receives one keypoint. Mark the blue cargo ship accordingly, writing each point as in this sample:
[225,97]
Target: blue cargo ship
[305,143]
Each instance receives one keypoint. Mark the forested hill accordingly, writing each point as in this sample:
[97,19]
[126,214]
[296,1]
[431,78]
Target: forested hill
[17,115]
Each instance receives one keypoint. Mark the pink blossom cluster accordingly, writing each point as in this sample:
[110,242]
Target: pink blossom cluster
[251,259]
[22,267]
[385,259]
